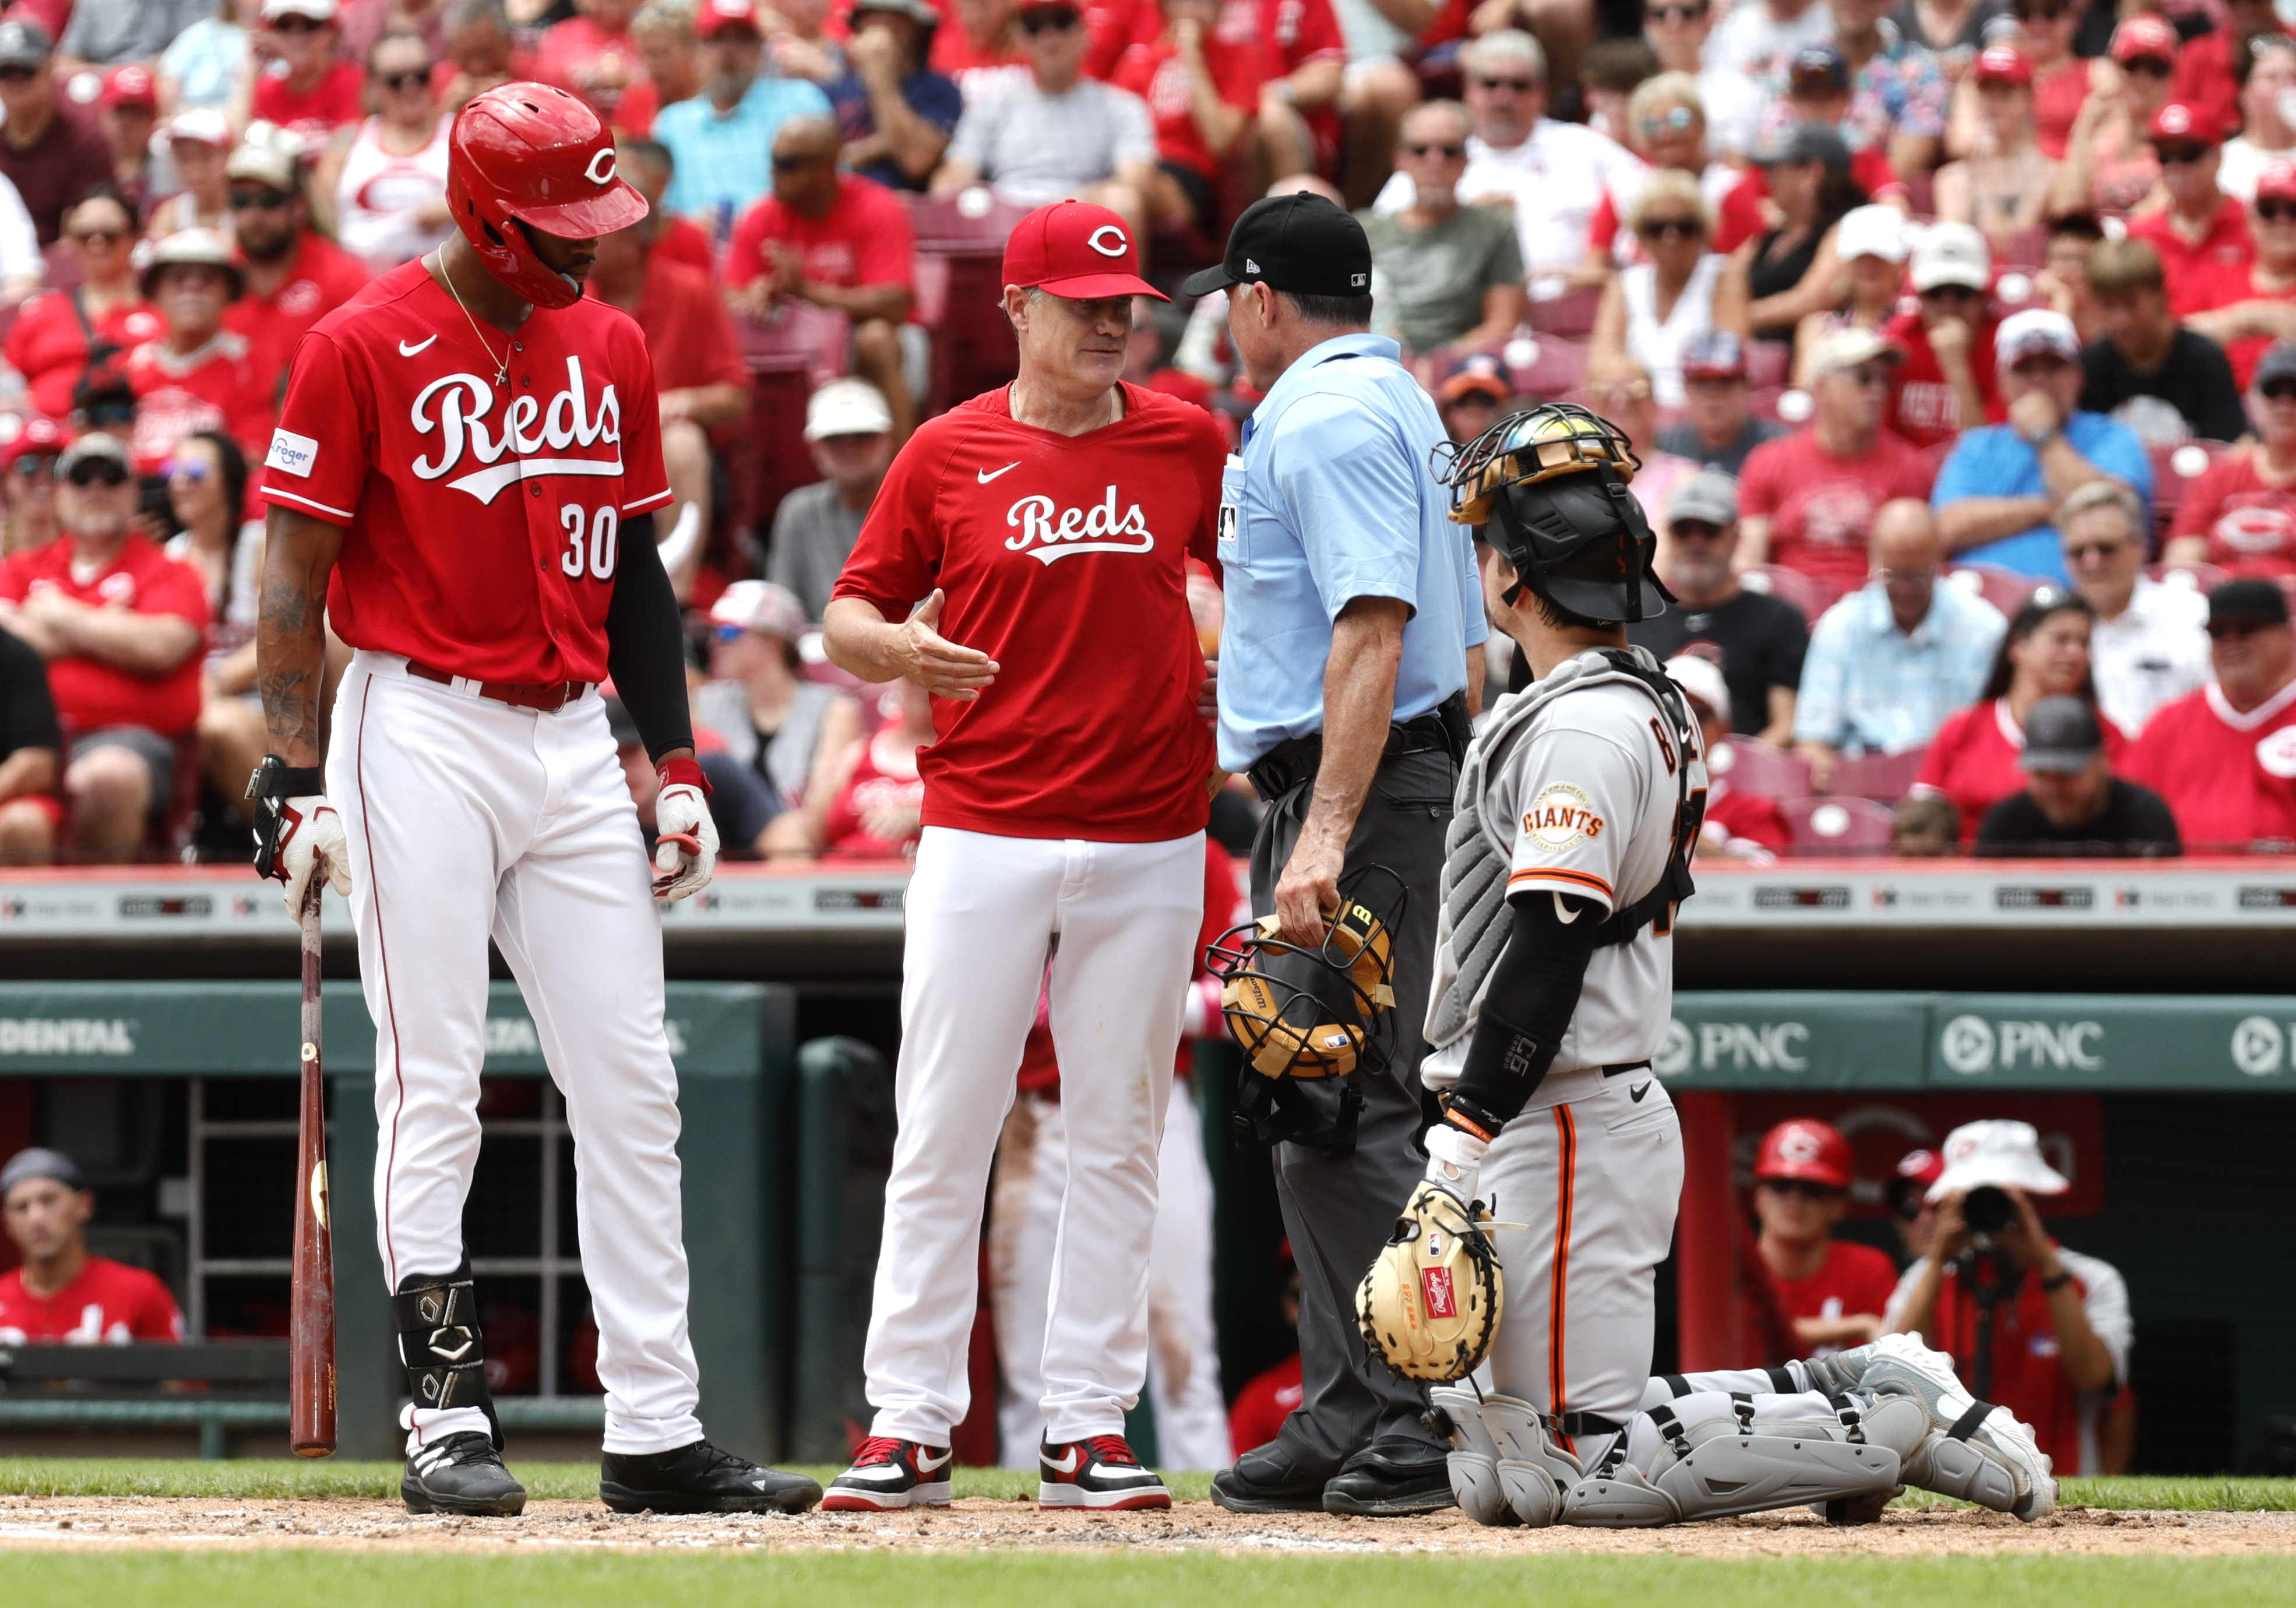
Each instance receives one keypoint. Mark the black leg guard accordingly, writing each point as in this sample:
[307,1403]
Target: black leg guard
[440,1344]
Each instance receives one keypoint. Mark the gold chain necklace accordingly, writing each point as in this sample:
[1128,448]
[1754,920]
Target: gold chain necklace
[501,363]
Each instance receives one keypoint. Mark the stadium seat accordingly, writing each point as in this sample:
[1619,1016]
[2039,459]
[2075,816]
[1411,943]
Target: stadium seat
[929,280]
[1806,593]
[1882,778]
[1757,767]
[2004,589]
[1767,362]
[2174,471]
[1571,314]
[1837,825]
[799,335]
[2025,248]
[1546,367]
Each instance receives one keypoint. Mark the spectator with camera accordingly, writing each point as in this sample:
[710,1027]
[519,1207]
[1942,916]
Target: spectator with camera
[2033,1327]
[2071,803]
[1830,1292]
[61,1294]
[849,431]
[2225,756]
[2148,643]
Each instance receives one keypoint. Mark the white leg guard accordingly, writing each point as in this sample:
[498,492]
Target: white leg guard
[1504,1469]
[1971,1449]
[1713,1456]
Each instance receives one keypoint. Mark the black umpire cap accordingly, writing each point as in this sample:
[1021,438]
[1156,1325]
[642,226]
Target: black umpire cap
[1301,243]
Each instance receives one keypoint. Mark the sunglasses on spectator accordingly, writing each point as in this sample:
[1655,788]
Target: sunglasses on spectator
[186,469]
[96,237]
[1676,13]
[1674,228]
[2279,390]
[98,472]
[1057,21]
[18,75]
[1865,374]
[1449,153]
[2150,66]
[1520,85]
[1675,118]
[2087,550]
[791,164]
[296,25]
[259,201]
[1949,293]
[32,465]
[407,80]
[2039,14]
[1905,577]
[1696,530]
[2177,156]
[2275,211]
[1804,1187]
[2218,630]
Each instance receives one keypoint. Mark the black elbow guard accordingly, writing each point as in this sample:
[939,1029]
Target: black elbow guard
[1527,1009]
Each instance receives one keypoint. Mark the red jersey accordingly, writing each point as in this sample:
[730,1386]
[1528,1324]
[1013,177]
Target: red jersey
[2250,526]
[1257,1416]
[109,1303]
[337,101]
[1972,759]
[2230,778]
[2225,285]
[91,695]
[48,346]
[1045,544]
[2189,268]
[320,277]
[685,241]
[215,388]
[483,520]
[1746,817]
[1288,35]
[1155,73]
[1820,507]
[2028,1375]
[688,332]
[2204,75]
[865,239]
[1853,1279]
[872,786]
[977,69]
[1114,27]
[1920,406]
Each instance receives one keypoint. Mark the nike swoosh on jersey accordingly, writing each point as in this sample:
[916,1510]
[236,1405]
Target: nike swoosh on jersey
[983,475]
[1637,1096]
[405,350]
[1069,1464]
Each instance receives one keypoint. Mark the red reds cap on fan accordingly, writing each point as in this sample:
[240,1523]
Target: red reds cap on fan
[37,435]
[129,86]
[2177,123]
[720,16]
[2142,38]
[2277,182]
[1075,249]
[1916,1170]
[1806,1149]
[2002,64]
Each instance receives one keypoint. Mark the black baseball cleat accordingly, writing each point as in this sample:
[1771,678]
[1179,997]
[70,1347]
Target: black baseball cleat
[699,1478]
[1099,1471]
[1267,1481]
[1390,1478]
[888,1473]
[461,1474]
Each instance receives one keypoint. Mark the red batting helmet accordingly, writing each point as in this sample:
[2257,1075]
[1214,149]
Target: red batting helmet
[532,155]
[1809,1150]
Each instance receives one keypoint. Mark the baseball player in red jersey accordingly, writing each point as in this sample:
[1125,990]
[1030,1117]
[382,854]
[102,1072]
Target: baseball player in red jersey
[62,1293]
[1026,563]
[463,482]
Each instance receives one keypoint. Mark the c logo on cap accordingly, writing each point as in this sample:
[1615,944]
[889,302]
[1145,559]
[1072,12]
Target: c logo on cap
[606,156]
[1122,246]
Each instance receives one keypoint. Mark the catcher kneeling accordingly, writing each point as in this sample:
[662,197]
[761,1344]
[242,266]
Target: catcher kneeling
[1578,807]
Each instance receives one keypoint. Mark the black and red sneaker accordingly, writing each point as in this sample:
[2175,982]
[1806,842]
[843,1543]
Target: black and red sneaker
[886,1474]
[1099,1472]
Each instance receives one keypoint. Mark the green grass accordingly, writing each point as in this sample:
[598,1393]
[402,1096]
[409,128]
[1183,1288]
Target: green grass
[163,1579]
[577,1482]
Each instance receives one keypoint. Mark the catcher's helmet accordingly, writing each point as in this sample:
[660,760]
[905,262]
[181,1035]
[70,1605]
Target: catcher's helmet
[1551,488]
[527,156]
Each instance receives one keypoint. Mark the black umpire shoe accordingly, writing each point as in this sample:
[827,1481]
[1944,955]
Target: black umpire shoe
[461,1474]
[1265,1480]
[699,1478]
[1391,1477]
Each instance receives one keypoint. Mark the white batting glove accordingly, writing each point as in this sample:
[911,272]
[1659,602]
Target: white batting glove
[685,845]
[311,840]
[1455,1158]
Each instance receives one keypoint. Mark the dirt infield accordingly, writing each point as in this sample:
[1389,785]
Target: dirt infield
[105,1523]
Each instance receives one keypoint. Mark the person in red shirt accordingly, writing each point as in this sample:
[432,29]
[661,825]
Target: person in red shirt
[2225,756]
[1972,760]
[197,374]
[1203,92]
[1738,825]
[649,165]
[983,50]
[1667,129]
[592,55]
[61,1294]
[2245,308]
[1066,794]
[2033,1327]
[1806,501]
[120,625]
[2201,232]
[2210,68]
[1297,129]
[294,275]
[53,336]
[2240,515]
[28,464]
[1946,383]
[1832,1292]
[837,241]
[301,86]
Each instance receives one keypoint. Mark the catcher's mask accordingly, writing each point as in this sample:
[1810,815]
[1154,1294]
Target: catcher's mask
[1325,1014]
[1551,486]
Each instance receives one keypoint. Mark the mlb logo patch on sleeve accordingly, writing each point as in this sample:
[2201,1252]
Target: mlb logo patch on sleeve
[291,454]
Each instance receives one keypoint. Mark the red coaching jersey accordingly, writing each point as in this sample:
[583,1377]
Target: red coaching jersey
[109,1303]
[483,522]
[1064,559]
[89,693]
[2230,778]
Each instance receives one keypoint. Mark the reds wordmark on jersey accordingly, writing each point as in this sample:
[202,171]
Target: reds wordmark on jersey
[483,518]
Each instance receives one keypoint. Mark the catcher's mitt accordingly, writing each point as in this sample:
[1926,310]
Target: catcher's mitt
[1430,1304]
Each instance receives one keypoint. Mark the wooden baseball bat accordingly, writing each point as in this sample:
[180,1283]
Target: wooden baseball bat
[311,1301]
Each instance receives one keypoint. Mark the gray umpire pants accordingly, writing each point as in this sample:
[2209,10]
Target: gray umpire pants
[1338,1213]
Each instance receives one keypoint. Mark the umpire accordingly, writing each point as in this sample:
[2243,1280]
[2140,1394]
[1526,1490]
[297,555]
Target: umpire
[1352,606]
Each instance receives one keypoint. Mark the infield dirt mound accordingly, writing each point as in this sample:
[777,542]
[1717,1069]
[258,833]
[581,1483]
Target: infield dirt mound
[121,1522]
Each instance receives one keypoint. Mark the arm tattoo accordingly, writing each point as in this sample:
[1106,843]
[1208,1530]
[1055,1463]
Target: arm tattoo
[292,651]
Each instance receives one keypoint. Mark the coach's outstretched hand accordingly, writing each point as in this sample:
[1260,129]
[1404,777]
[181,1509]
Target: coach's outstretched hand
[942,668]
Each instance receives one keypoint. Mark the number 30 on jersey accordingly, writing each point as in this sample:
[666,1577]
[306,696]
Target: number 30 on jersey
[590,541]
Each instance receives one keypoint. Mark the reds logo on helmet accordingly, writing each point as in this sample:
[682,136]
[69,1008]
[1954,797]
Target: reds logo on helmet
[529,157]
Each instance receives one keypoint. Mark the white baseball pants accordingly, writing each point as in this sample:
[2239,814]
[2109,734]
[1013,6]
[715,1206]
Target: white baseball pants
[1598,1180]
[466,818]
[1121,921]
[1183,1350]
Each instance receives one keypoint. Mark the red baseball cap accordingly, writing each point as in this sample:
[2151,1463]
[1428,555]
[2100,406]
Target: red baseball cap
[2179,121]
[2144,36]
[716,16]
[129,86]
[1806,1149]
[39,434]
[2277,182]
[1075,249]
[2002,64]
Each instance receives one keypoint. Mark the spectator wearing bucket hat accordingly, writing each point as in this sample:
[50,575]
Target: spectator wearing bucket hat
[1718,426]
[197,374]
[790,733]
[1832,1292]
[2033,1327]
[1755,642]
[1996,496]
[2072,804]
[2225,756]
[1946,383]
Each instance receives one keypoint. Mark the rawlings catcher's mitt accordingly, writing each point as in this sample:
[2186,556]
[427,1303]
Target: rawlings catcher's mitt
[1430,1303]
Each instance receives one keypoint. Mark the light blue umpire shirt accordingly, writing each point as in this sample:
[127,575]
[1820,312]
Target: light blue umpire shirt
[1333,499]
